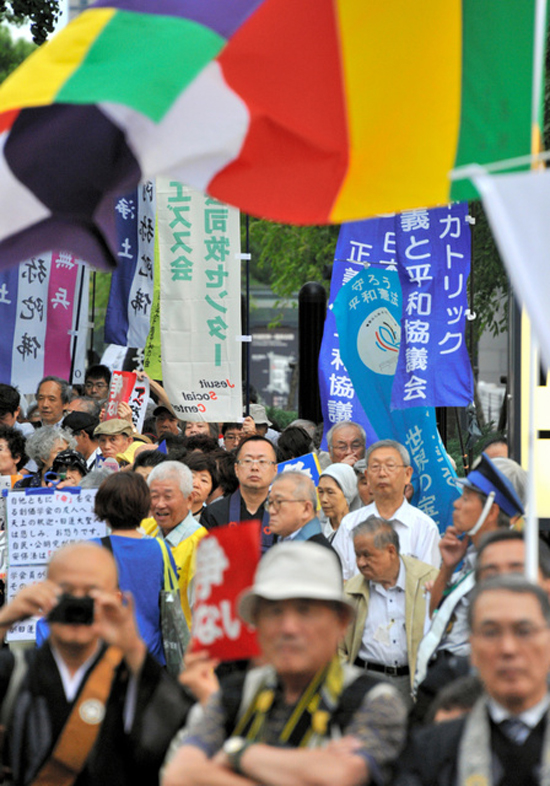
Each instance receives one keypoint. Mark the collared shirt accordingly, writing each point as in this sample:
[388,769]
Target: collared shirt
[92,458]
[384,638]
[530,717]
[182,531]
[418,536]
[310,528]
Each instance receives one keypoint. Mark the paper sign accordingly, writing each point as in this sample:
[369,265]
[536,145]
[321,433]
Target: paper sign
[308,464]
[226,564]
[126,387]
[39,521]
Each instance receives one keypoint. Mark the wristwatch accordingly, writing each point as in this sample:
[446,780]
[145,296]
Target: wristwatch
[234,749]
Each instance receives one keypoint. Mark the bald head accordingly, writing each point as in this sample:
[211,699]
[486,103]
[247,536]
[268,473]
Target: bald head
[80,567]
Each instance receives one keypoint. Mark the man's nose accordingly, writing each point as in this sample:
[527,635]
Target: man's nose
[289,621]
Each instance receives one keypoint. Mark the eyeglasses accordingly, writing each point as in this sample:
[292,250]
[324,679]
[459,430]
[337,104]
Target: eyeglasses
[276,503]
[522,632]
[390,468]
[248,462]
[95,385]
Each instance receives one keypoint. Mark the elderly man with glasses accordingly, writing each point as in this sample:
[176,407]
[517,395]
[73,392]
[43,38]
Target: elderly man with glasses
[302,718]
[291,504]
[505,739]
[255,469]
[388,473]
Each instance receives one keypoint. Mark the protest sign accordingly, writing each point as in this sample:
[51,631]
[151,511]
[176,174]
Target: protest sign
[226,563]
[308,464]
[40,521]
[126,387]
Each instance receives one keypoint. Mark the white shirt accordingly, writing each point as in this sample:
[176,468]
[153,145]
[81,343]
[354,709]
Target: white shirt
[530,717]
[418,536]
[384,638]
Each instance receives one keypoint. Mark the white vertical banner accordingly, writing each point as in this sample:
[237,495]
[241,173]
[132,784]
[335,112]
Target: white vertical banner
[140,300]
[200,303]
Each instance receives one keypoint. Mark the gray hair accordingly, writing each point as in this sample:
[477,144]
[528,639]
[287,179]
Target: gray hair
[90,405]
[383,531]
[515,474]
[40,444]
[66,389]
[341,424]
[509,582]
[173,469]
[303,485]
[390,443]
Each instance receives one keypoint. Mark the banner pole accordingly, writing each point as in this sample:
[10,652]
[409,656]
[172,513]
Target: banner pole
[77,321]
[247,318]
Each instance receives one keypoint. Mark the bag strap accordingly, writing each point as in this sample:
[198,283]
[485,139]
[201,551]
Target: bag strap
[170,578]
[81,729]
[19,670]
[106,543]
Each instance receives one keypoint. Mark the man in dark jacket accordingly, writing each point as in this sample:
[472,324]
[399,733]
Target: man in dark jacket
[505,740]
[92,705]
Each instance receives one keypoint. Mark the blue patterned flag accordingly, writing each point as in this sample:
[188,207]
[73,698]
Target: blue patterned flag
[368,314]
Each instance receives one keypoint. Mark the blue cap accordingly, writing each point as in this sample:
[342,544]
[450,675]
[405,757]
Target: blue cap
[486,478]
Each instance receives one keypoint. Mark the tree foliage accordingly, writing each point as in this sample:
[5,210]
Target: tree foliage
[285,257]
[12,53]
[42,15]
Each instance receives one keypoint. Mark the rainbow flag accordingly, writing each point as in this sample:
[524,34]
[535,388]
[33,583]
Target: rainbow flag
[302,111]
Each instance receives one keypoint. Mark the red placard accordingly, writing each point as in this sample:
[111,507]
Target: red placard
[122,384]
[226,564]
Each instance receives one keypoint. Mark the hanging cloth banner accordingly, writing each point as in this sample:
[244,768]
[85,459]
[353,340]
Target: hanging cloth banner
[433,254]
[200,303]
[368,315]
[44,316]
[128,316]
[358,243]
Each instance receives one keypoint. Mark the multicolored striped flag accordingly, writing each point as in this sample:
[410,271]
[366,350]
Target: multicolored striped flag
[302,111]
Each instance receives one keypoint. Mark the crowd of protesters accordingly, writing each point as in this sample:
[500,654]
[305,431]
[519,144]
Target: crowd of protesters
[379,635]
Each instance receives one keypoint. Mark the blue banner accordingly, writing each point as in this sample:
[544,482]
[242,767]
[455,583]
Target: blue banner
[117,317]
[128,316]
[358,242]
[9,286]
[308,464]
[368,316]
[433,254]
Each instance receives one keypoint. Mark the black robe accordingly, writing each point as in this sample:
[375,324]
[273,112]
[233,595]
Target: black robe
[117,758]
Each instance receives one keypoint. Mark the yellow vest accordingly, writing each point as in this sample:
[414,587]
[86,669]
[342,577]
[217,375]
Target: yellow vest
[184,556]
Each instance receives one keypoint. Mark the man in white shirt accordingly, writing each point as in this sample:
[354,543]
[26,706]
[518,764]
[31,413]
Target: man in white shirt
[389,471]
[391,612]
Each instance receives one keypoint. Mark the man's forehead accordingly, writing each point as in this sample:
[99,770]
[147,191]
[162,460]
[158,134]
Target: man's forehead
[170,483]
[505,606]
[348,432]
[282,486]
[503,551]
[257,449]
[384,453]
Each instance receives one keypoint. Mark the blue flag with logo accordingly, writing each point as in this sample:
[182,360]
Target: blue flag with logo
[433,254]
[358,242]
[367,310]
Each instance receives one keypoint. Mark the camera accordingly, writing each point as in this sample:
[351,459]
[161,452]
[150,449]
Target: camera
[73,611]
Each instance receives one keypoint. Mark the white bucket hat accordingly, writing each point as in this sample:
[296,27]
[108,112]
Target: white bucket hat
[295,570]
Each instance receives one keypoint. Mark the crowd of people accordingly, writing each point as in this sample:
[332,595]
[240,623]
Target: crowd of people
[389,653]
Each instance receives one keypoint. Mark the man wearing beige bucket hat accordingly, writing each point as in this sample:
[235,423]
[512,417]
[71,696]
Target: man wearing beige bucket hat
[302,718]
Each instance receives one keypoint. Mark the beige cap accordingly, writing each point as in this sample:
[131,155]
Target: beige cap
[114,426]
[295,570]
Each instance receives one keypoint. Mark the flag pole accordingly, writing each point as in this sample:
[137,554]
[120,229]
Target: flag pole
[531,526]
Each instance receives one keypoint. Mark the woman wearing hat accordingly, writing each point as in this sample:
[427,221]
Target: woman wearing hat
[337,488]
